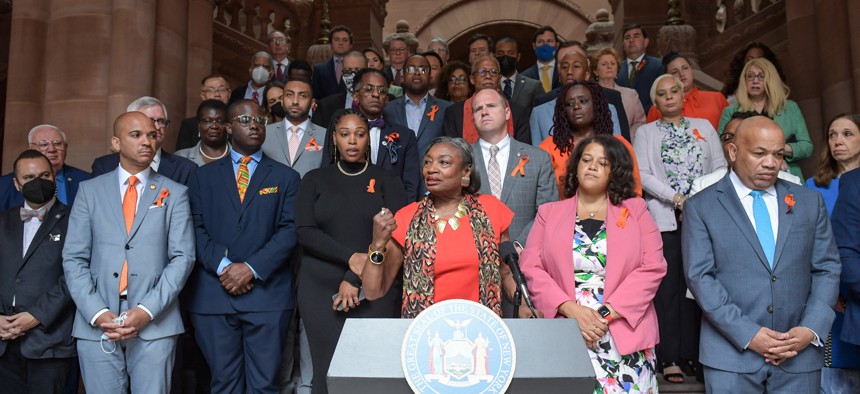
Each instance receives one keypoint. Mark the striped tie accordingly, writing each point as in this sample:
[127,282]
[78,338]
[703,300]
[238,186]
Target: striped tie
[129,205]
[243,177]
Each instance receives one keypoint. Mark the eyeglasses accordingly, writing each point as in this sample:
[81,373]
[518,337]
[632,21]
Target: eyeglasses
[245,120]
[161,122]
[416,70]
[368,90]
[42,145]
[727,137]
[492,72]
[278,39]
[396,50]
[213,91]
[456,80]
[753,77]
[210,122]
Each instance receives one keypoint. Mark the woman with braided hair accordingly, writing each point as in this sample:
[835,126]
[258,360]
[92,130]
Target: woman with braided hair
[581,111]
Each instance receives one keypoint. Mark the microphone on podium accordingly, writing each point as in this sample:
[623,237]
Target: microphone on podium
[512,259]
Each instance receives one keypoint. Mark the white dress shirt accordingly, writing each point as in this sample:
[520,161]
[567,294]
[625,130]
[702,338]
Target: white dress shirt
[501,157]
[374,143]
[156,160]
[31,226]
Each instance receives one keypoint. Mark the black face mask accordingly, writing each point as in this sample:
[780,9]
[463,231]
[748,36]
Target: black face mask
[507,64]
[39,190]
[278,110]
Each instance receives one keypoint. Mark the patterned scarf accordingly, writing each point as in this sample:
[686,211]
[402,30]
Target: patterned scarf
[418,266]
[681,156]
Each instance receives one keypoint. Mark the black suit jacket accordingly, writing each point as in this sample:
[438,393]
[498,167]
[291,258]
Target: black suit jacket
[612,96]
[454,122]
[406,163]
[326,108]
[176,168]
[188,134]
[324,81]
[37,283]
[11,197]
[533,73]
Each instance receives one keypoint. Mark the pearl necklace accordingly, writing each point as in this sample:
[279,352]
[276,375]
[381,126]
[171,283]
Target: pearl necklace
[454,221]
[226,149]
[348,174]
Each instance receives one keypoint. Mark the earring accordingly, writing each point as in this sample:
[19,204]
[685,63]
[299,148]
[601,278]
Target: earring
[465,181]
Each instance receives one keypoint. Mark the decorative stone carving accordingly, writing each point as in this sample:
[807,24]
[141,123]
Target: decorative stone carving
[720,16]
[677,36]
[600,34]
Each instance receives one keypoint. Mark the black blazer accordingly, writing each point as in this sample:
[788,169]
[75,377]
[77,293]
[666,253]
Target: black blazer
[612,96]
[454,121]
[37,283]
[326,108]
[11,197]
[532,72]
[324,81]
[176,168]
[188,134]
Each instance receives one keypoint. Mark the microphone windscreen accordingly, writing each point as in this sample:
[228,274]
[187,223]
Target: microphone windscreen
[507,249]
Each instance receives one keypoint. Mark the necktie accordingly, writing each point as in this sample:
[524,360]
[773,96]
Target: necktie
[294,143]
[633,71]
[508,90]
[280,74]
[763,227]
[27,214]
[544,78]
[378,122]
[243,177]
[338,69]
[129,205]
[494,173]
[256,97]
[398,78]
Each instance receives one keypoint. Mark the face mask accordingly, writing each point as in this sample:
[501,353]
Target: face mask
[260,75]
[277,110]
[348,80]
[39,190]
[545,52]
[507,64]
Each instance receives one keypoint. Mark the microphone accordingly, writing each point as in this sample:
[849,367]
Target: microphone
[512,258]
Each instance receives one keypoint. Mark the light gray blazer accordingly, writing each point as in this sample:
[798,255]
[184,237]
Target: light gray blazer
[159,251]
[655,185]
[526,91]
[728,273]
[522,194]
[308,158]
[193,154]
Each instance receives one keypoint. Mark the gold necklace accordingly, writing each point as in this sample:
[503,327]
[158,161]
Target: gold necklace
[348,174]
[453,221]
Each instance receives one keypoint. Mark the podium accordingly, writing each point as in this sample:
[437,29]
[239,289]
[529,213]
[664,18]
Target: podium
[551,357]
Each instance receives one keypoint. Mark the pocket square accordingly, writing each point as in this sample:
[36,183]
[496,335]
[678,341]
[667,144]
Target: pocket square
[154,206]
[269,190]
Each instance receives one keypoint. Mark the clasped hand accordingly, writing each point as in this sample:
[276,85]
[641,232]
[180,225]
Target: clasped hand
[347,297]
[17,325]
[777,347]
[136,318]
[591,325]
[236,278]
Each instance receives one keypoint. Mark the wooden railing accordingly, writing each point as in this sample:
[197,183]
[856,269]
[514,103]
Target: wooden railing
[254,19]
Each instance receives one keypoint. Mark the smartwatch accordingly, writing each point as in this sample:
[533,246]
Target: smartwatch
[605,313]
[376,257]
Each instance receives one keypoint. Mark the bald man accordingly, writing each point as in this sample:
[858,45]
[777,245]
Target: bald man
[129,250]
[760,258]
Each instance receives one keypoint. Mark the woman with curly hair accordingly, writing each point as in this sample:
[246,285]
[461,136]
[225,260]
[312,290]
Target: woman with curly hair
[609,281]
[581,111]
[454,84]
[673,151]
[734,74]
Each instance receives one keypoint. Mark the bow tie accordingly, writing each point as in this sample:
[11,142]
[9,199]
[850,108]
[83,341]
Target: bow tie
[27,214]
[378,122]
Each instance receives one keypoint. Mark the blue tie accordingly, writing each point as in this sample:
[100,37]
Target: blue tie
[763,226]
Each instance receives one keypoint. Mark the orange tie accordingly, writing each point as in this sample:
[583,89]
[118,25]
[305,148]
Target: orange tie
[243,177]
[129,205]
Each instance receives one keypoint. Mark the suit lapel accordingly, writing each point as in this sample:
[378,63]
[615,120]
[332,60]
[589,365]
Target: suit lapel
[424,118]
[306,137]
[784,223]
[516,152]
[17,231]
[482,168]
[282,139]
[150,191]
[114,200]
[730,202]
[383,148]
[260,174]
[514,85]
[54,215]
[229,178]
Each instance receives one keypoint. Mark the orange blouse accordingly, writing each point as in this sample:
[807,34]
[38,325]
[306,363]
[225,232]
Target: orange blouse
[457,264]
[698,104]
[559,164]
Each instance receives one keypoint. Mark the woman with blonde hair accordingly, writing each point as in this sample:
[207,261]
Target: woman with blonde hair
[763,92]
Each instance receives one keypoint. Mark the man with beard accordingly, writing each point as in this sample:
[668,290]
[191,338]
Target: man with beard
[296,141]
[326,107]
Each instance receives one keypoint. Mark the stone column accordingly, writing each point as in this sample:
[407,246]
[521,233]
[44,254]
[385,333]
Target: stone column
[199,60]
[171,60]
[854,42]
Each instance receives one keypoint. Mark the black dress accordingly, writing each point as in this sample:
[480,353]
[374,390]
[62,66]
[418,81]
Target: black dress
[334,219]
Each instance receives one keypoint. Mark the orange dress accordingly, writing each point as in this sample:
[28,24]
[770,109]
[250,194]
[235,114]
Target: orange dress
[698,104]
[559,164]
[457,265]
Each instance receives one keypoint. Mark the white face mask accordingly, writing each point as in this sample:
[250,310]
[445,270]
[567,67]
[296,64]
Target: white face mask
[260,75]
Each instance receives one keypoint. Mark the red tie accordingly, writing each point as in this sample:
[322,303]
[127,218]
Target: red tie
[129,205]
[256,97]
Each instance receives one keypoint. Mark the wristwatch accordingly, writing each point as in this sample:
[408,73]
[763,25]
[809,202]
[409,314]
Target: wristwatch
[376,257]
[605,313]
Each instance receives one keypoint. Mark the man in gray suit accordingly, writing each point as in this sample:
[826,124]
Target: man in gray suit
[129,251]
[527,180]
[517,88]
[296,142]
[760,258]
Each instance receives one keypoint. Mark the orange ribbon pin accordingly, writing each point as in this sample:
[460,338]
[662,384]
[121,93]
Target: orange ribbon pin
[312,145]
[393,136]
[432,113]
[524,159]
[370,186]
[698,136]
[789,199]
[161,196]
[622,222]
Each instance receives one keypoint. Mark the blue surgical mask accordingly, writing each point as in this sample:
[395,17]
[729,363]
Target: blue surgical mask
[545,52]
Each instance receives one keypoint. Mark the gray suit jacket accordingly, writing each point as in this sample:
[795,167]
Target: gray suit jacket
[523,194]
[159,250]
[739,293]
[308,158]
[526,91]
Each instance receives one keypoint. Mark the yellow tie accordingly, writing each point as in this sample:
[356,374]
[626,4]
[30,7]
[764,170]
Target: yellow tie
[544,78]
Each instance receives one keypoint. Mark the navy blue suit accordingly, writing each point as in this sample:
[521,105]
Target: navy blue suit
[324,80]
[846,229]
[533,73]
[645,77]
[176,168]
[11,197]
[242,336]
[408,164]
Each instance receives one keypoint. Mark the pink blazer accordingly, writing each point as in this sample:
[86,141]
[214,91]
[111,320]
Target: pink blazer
[634,267]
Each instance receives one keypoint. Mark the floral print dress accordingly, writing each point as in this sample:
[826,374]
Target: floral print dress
[616,373]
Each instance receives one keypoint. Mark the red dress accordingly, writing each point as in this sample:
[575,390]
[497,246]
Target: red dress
[456,265]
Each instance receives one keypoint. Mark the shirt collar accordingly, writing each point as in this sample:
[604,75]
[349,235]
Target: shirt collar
[423,100]
[742,190]
[142,177]
[157,157]
[638,59]
[236,156]
[47,206]
[503,144]
[303,126]
[550,63]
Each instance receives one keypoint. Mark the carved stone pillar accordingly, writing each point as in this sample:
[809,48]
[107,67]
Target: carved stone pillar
[600,34]
[677,36]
